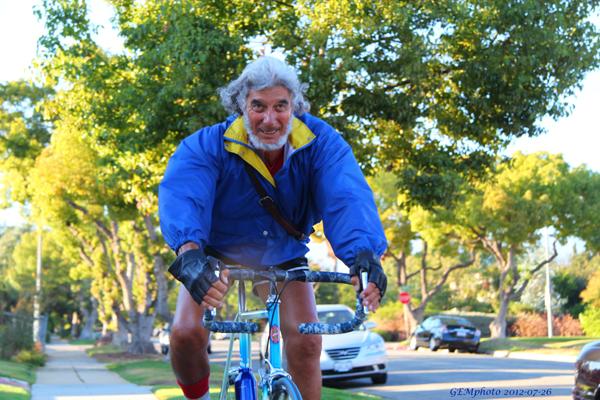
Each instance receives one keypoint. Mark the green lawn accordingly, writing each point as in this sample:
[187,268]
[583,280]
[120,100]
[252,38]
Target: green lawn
[158,374]
[555,345]
[13,393]
[22,372]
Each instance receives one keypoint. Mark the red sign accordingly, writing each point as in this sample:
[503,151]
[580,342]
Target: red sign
[404,297]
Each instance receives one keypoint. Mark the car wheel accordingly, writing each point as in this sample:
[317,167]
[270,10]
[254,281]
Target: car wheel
[434,344]
[451,349]
[412,345]
[209,349]
[475,349]
[379,379]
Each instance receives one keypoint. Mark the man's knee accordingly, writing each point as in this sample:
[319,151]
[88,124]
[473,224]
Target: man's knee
[303,347]
[188,335]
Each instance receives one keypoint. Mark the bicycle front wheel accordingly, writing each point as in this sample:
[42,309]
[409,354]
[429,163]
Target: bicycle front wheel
[284,389]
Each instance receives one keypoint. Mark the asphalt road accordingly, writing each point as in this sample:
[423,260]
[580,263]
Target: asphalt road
[424,375]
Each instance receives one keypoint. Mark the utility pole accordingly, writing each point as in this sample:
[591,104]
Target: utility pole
[38,293]
[548,291]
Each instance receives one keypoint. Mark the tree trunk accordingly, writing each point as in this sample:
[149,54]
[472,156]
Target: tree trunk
[159,270]
[90,317]
[141,332]
[506,287]
[120,338]
[413,317]
[162,286]
[498,325]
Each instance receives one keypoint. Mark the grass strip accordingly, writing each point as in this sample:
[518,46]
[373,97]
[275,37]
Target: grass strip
[8,392]
[555,345]
[15,370]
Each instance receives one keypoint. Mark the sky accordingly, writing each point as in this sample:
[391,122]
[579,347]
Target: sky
[575,136]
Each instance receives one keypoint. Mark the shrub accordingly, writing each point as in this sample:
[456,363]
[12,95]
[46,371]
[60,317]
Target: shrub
[529,325]
[590,321]
[390,321]
[566,325]
[13,335]
[32,357]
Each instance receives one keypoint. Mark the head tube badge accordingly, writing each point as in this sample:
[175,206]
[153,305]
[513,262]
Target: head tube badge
[274,334]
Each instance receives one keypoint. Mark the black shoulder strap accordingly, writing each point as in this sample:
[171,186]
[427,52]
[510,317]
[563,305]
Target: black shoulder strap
[267,202]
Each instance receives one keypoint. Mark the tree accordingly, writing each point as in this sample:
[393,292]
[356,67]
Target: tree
[442,252]
[24,131]
[432,90]
[126,112]
[590,318]
[505,214]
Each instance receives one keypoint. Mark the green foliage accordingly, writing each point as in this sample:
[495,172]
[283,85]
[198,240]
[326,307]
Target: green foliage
[590,320]
[578,207]
[569,287]
[432,90]
[12,337]
[32,357]
[390,321]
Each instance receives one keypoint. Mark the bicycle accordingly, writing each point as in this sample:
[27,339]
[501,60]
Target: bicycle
[274,382]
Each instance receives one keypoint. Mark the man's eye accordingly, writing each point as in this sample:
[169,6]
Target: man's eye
[258,107]
[281,107]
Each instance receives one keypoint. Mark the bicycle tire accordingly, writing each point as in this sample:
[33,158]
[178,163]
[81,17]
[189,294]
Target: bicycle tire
[284,388]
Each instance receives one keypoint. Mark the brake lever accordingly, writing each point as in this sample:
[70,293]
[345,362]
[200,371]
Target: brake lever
[364,281]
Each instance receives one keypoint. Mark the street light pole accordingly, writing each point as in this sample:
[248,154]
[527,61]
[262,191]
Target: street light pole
[548,289]
[38,293]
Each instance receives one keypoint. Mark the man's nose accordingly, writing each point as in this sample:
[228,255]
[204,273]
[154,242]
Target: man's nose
[269,117]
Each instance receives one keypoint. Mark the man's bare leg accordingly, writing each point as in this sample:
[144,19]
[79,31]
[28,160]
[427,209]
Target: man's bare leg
[189,341]
[303,351]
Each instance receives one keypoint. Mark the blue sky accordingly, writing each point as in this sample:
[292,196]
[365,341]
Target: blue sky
[575,136]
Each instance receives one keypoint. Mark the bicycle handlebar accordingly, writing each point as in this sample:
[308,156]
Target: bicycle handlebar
[276,275]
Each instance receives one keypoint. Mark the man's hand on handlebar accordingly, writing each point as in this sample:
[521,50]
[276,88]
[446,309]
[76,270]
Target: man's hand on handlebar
[199,276]
[373,293]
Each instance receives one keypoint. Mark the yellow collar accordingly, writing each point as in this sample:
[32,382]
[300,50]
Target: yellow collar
[236,142]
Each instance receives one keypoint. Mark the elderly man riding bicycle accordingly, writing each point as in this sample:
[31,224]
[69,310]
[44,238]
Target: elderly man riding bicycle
[248,191]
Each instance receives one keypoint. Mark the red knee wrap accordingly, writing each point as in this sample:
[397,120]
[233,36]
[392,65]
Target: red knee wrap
[195,390]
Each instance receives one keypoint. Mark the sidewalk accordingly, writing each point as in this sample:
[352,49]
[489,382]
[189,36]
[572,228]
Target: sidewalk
[70,374]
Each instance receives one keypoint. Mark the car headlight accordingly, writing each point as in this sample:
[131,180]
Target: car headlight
[375,347]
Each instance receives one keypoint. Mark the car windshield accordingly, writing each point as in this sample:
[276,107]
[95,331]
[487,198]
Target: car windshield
[334,316]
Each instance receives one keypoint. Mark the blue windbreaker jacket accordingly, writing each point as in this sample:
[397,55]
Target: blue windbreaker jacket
[207,197]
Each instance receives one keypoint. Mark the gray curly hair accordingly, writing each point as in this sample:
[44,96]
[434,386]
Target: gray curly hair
[263,73]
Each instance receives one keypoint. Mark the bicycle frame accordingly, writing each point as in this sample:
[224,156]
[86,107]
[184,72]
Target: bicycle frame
[273,378]
[272,366]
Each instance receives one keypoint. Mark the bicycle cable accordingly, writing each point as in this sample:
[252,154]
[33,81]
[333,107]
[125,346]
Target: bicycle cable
[278,294]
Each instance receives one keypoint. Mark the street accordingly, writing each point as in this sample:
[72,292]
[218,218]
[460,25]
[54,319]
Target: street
[424,375]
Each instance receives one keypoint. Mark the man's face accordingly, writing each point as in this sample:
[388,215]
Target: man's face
[268,114]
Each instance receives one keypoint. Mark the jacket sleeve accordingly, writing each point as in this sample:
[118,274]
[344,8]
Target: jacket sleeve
[345,200]
[186,193]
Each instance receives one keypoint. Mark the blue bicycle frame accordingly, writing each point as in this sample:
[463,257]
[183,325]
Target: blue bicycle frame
[271,372]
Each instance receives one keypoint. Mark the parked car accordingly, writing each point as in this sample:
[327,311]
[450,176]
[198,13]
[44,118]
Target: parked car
[587,373]
[441,331]
[164,338]
[357,354]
